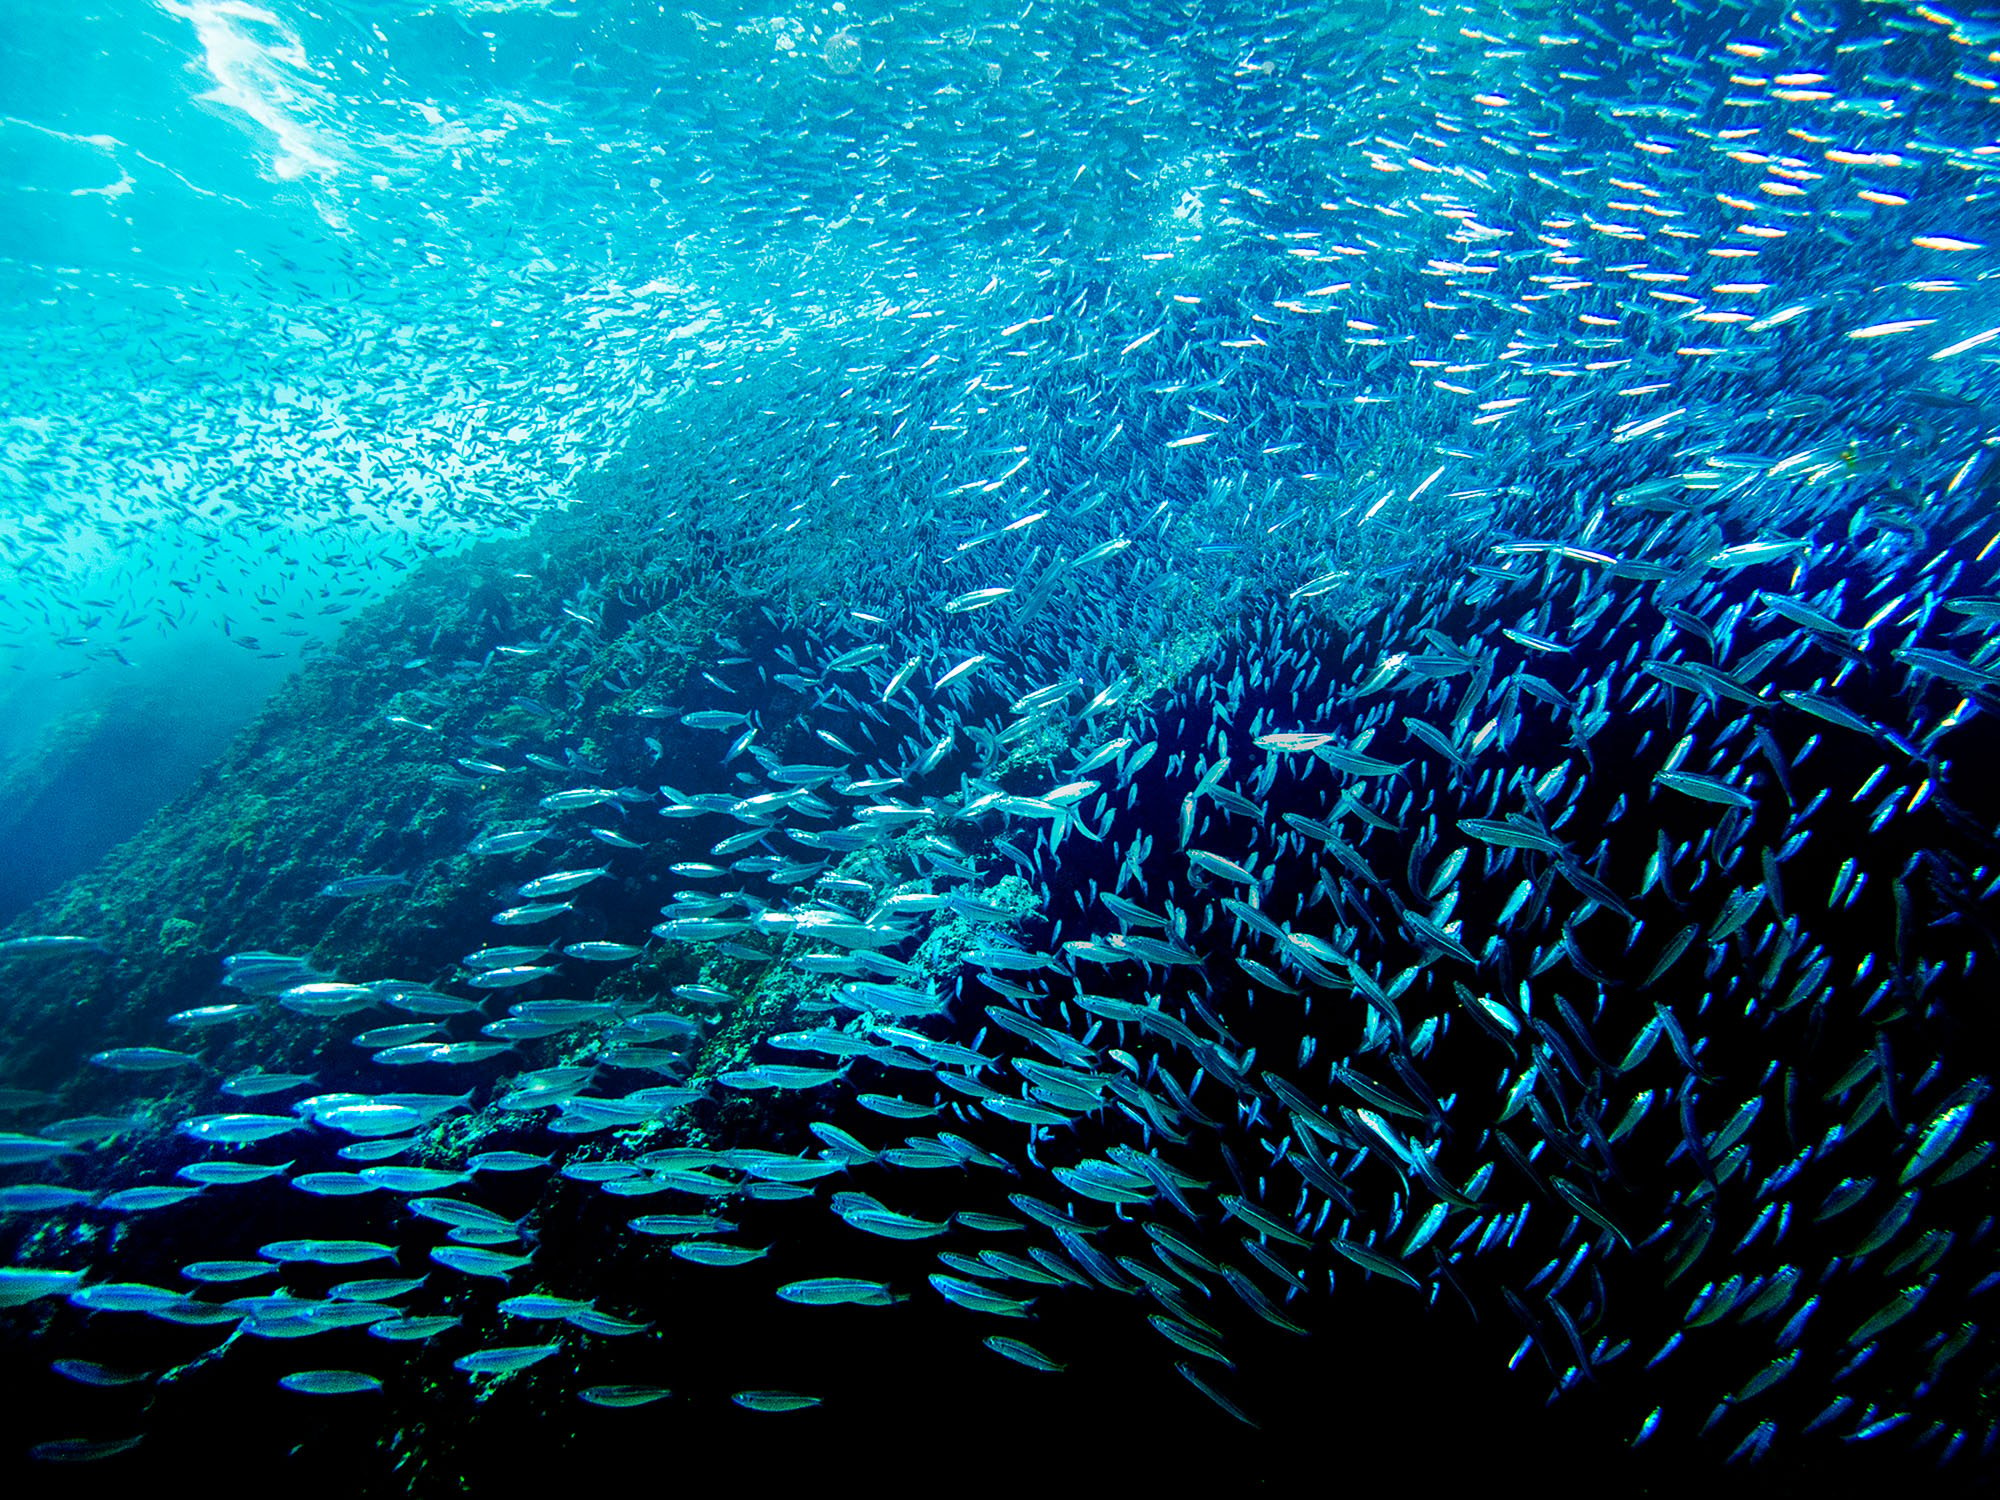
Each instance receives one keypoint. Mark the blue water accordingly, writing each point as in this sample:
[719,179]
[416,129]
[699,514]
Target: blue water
[1228,458]
[299,297]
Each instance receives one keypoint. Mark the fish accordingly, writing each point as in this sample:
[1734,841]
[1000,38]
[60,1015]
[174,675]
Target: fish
[20,1285]
[774,1401]
[330,1382]
[145,1199]
[327,1252]
[350,886]
[829,1291]
[256,1083]
[602,952]
[472,1260]
[142,1059]
[975,599]
[89,1372]
[715,1253]
[976,1298]
[377,1289]
[504,1360]
[228,1270]
[1023,1353]
[622,1396]
[506,841]
[1705,788]
[83,1450]
[26,1150]
[560,882]
[49,944]
[871,1217]
[409,1330]
[239,1129]
[44,1197]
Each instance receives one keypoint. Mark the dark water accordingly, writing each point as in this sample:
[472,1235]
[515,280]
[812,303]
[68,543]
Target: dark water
[92,760]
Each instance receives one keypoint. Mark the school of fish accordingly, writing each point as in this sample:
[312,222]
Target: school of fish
[1418,726]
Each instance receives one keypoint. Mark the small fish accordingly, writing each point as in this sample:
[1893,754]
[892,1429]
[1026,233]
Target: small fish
[24,1150]
[832,1291]
[979,599]
[376,1290]
[412,1330]
[330,1382]
[506,842]
[900,679]
[48,945]
[239,1129]
[36,1197]
[504,1360]
[602,952]
[505,1161]
[89,1372]
[976,1298]
[23,1284]
[533,912]
[327,1252]
[1101,551]
[474,1261]
[228,1270]
[774,1401]
[560,882]
[970,664]
[619,1396]
[255,1083]
[146,1199]
[715,1253]
[363,885]
[1705,789]
[142,1059]
[1884,330]
[1022,1353]
[82,1450]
